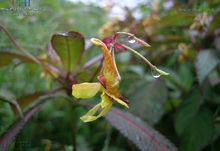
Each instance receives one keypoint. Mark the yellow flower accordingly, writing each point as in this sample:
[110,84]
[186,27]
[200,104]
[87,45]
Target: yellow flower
[108,84]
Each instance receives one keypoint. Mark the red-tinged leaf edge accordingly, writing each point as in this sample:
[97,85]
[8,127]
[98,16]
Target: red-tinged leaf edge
[13,130]
[14,105]
[10,134]
[142,135]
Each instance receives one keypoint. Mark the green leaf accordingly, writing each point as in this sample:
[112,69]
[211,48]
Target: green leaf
[69,46]
[215,22]
[206,61]
[7,57]
[148,101]
[185,76]
[199,132]
[194,124]
[186,112]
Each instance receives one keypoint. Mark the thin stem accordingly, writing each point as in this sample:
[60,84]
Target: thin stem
[7,137]
[18,46]
[135,38]
[95,73]
[25,52]
[125,33]
[135,52]
[74,126]
[92,61]
[14,103]
[153,67]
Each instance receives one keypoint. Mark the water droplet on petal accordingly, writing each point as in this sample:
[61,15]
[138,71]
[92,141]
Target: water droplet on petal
[131,39]
[155,73]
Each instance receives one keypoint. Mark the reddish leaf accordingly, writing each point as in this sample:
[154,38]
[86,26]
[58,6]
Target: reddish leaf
[8,137]
[142,135]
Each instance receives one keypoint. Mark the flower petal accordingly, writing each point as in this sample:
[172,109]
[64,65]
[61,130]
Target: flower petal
[105,100]
[105,104]
[109,69]
[89,116]
[117,99]
[85,90]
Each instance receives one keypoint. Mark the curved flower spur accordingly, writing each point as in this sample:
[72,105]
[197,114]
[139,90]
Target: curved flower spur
[109,80]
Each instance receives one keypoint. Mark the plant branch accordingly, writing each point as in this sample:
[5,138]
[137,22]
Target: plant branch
[18,46]
[153,67]
[145,60]
[14,103]
[10,134]
[26,53]
[92,61]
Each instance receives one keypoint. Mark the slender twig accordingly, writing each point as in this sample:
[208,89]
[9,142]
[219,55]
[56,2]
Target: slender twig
[11,133]
[95,73]
[74,127]
[135,38]
[14,103]
[135,52]
[125,33]
[93,61]
[18,46]
[153,67]
[27,54]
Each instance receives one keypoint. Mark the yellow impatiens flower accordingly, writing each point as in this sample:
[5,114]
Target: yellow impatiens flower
[108,84]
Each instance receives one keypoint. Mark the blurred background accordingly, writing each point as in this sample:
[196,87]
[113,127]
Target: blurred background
[185,41]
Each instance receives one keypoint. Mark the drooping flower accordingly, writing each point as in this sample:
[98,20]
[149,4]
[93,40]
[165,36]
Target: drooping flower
[109,77]
[108,84]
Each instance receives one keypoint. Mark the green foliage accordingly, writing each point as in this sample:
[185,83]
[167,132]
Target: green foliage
[194,137]
[206,61]
[184,107]
[149,99]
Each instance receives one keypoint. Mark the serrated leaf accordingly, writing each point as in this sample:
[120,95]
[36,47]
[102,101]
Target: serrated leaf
[7,138]
[141,134]
[206,61]
[7,57]
[13,130]
[69,46]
